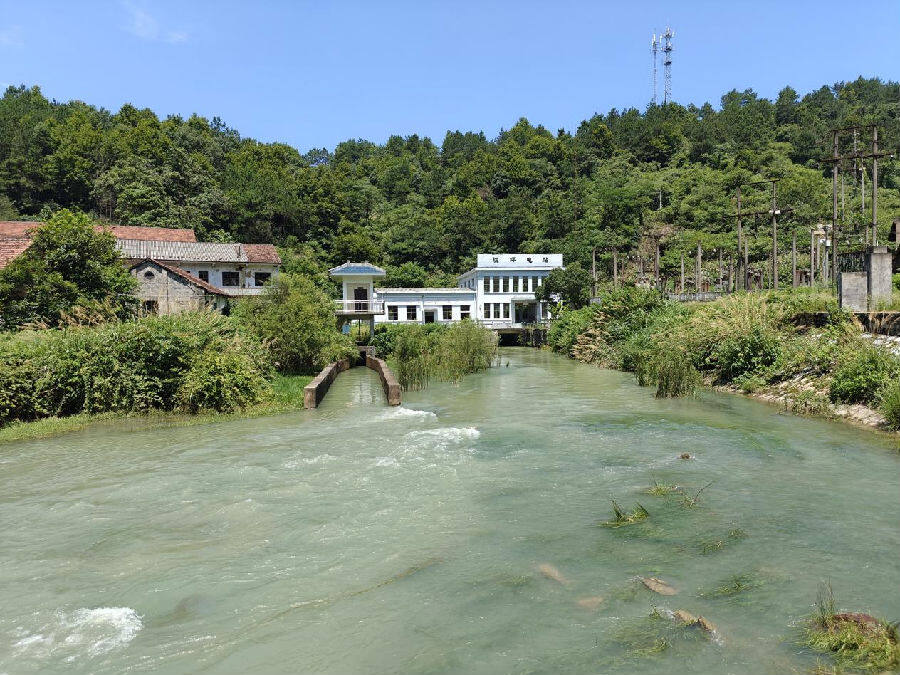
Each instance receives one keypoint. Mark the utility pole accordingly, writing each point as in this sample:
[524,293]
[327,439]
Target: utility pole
[594,272]
[698,270]
[721,272]
[656,264]
[682,274]
[794,261]
[834,219]
[774,241]
[740,235]
[615,268]
[835,160]
[874,186]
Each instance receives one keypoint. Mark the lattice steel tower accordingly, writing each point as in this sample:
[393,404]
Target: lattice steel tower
[666,39]
[654,47]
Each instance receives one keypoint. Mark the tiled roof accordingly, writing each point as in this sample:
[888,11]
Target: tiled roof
[14,229]
[262,253]
[179,251]
[17,229]
[12,248]
[353,268]
[196,281]
[150,233]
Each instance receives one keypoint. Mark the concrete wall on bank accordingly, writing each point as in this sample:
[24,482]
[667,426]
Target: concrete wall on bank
[388,381]
[315,391]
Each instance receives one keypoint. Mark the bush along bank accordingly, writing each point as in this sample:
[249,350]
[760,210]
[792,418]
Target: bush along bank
[191,362]
[756,343]
[418,353]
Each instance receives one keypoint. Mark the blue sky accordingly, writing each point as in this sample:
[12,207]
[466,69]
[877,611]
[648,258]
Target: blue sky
[314,73]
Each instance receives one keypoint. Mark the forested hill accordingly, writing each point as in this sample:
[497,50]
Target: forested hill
[432,207]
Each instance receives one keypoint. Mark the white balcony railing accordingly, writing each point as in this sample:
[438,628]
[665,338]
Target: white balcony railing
[359,306]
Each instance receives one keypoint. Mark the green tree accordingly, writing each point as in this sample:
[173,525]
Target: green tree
[68,265]
[295,318]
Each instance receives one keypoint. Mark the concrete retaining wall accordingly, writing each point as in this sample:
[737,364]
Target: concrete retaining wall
[388,381]
[315,391]
[879,323]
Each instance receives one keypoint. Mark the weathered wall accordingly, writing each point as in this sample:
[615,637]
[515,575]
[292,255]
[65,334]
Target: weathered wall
[853,291]
[315,391]
[388,380]
[171,293]
[881,262]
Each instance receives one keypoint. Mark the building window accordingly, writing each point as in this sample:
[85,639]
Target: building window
[505,310]
[203,275]
[262,278]
[151,307]
[496,284]
[487,310]
[392,312]
[497,307]
[487,284]
[148,274]
[231,279]
[447,312]
[506,284]
[411,314]
[465,311]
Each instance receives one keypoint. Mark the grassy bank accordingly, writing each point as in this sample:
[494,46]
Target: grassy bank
[286,394]
[762,344]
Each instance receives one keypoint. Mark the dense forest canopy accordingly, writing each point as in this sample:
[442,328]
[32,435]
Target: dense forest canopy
[424,210]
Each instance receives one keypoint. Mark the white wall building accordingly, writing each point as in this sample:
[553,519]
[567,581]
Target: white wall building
[499,293]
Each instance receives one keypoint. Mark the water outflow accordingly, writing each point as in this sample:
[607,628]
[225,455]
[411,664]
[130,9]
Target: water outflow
[458,533]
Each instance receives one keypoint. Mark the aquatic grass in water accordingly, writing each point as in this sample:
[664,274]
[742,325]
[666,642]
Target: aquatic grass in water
[661,489]
[734,585]
[621,518]
[708,546]
[856,640]
[690,501]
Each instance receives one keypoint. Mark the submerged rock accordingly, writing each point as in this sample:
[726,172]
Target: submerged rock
[551,572]
[685,455]
[658,586]
[592,602]
[689,619]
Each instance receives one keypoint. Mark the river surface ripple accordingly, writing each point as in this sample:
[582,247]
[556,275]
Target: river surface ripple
[359,538]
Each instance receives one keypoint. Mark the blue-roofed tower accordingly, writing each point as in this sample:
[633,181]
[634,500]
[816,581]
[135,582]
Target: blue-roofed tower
[357,291]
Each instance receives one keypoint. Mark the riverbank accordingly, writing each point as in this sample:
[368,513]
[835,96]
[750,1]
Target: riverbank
[286,396]
[759,345]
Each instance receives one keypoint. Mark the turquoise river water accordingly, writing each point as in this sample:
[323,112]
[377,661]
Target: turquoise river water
[359,538]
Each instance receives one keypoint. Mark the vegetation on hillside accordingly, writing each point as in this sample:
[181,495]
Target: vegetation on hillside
[423,210]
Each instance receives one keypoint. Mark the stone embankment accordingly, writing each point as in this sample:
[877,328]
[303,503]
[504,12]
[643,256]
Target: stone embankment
[315,391]
[388,380]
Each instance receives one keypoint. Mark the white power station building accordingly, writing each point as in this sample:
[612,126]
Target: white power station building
[498,292]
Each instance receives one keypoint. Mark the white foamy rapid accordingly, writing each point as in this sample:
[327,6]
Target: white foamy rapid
[84,632]
[400,413]
[442,438]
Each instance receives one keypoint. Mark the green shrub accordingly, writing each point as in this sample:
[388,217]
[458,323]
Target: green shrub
[675,375]
[420,352]
[565,328]
[295,319]
[742,353]
[223,380]
[132,366]
[890,404]
[860,379]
